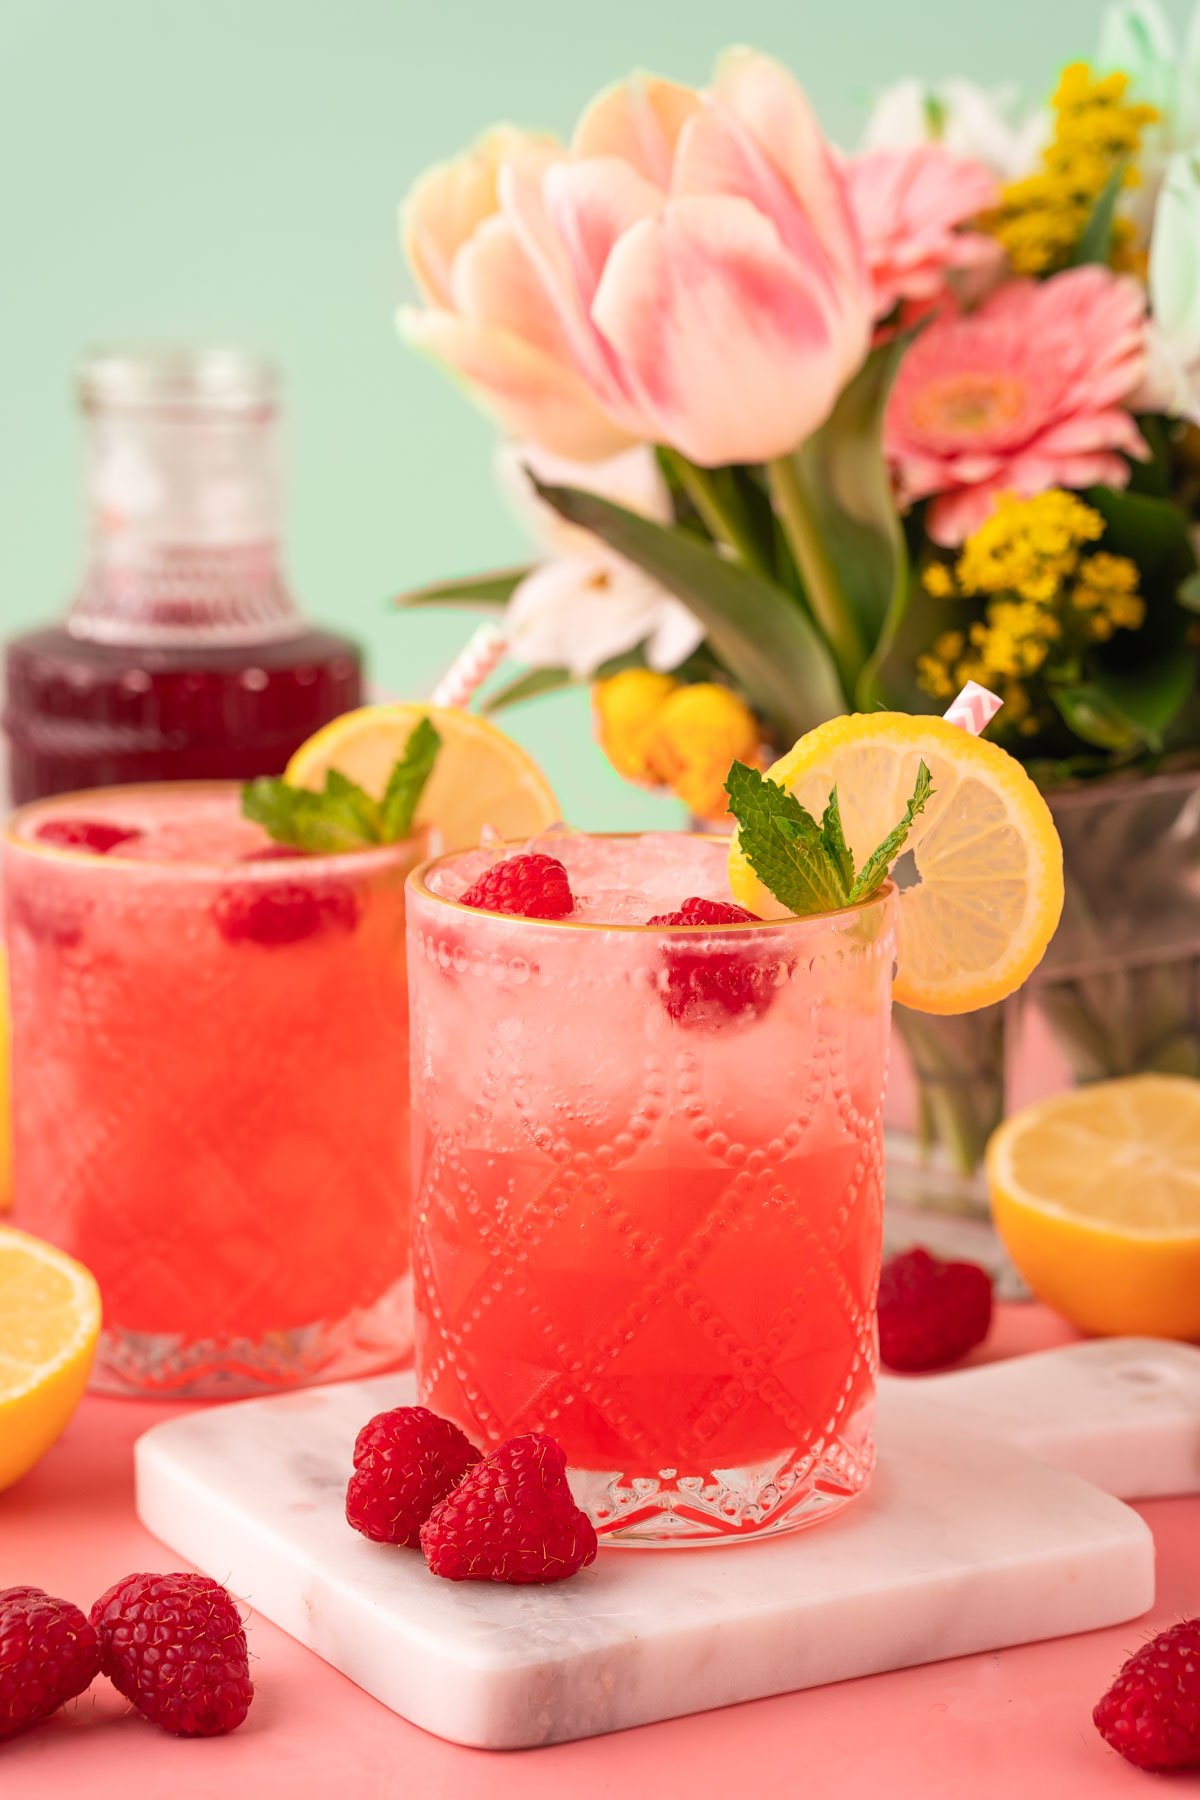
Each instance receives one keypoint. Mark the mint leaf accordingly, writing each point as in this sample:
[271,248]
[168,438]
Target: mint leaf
[321,823]
[783,843]
[834,840]
[407,781]
[343,816]
[352,804]
[874,871]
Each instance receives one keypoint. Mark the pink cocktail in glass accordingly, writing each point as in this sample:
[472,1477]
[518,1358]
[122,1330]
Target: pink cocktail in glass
[210,1063]
[648,1187]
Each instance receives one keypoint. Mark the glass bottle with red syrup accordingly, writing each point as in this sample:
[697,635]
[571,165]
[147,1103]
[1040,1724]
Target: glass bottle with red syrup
[184,655]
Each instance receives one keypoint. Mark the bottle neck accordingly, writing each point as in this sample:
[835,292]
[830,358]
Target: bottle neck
[183,508]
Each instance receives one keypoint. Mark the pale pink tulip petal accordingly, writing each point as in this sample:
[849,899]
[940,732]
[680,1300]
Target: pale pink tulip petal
[638,120]
[530,394]
[590,204]
[494,283]
[722,342]
[717,156]
[524,200]
[447,203]
[769,102]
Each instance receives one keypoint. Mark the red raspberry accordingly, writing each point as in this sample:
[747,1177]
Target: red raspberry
[283,912]
[529,887]
[174,1645]
[708,987]
[1151,1713]
[48,1654]
[405,1461]
[511,1518]
[931,1312]
[84,834]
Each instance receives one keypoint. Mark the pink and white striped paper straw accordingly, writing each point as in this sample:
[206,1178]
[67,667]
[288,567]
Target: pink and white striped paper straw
[973,709]
[470,668]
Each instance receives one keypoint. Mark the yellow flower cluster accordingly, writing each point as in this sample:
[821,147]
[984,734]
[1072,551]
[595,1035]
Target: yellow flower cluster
[666,733]
[1043,597]
[1040,219]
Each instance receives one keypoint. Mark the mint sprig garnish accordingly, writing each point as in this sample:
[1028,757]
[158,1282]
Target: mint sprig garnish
[343,816]
[809,867]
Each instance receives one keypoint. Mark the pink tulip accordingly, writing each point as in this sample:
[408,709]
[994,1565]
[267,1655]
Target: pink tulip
[487,318]
[693,264]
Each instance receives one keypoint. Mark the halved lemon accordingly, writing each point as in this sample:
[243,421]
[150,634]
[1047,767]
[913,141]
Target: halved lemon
[49,1325]
[1096,1195]
[989,887]
[481,776]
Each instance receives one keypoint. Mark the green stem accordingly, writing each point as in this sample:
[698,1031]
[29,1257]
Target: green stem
[826,597]
[726,524]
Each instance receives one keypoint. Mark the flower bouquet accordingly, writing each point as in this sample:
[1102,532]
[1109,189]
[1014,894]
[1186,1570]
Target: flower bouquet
[799,432]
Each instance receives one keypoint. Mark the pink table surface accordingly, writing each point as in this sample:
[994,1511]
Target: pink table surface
[1010,1722]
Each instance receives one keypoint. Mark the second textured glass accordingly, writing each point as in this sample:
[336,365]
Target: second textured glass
[649,1185]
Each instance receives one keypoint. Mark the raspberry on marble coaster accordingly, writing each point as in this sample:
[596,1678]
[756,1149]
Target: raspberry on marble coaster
[405,1462]
[49,1653]
[1151,1713]
[175,1646]
[511,1518]
[931,1312]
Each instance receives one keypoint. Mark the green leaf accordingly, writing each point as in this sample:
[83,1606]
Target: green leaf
[353,802]
[1118,708]
[406,783]
[875,870]
[530,686]
[759,633]
[1094,718]
[1096,240]
[834,839]
[487,593]
[783,843]
[324,824]
[343,816]
[1189,592]
[537,682]
[847,494]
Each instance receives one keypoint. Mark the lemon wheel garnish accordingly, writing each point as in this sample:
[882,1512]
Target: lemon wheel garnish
[481,776]
[1096,1195]
[988,864]
[49,1325]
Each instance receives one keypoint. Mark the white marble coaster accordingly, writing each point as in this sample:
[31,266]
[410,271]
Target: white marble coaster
[965,1542]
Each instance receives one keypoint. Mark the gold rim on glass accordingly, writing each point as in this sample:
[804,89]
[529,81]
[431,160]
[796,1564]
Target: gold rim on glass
[350,861]
[418,885]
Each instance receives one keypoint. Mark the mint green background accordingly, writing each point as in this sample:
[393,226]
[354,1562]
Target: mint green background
[230,169]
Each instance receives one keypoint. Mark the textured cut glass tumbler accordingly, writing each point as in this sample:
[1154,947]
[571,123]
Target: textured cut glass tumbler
[210,1060]
[648,1221]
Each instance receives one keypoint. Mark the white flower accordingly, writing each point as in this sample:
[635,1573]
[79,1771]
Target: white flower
[583,603]
[1138,39]
[1172,380]
[985,125]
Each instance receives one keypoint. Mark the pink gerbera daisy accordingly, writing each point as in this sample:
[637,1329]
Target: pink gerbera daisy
[911,207]
[1028,393]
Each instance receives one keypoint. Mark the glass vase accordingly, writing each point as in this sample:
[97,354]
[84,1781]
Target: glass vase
[1118,993]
